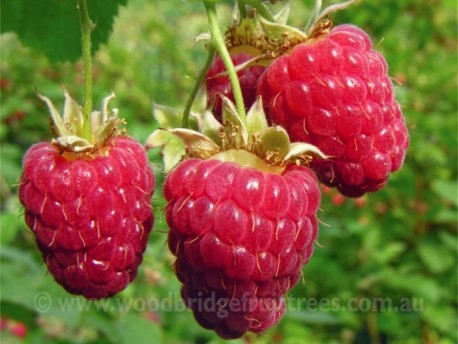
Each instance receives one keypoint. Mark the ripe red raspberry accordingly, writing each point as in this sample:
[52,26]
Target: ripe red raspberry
[241,237]
[219,85]
[91,215]
[334,92]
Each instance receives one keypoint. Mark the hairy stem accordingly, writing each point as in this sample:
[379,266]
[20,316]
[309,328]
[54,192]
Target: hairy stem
[86,28]
[195,89]
[217,40]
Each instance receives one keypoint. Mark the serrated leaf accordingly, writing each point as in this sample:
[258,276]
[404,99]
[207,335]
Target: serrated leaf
[256,118]
[52,26]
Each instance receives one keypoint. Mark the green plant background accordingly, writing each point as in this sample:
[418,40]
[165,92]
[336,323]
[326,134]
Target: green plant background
[400,245]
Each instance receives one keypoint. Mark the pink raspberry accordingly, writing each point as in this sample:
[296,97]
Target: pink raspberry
[335,93]
[90,215]
[241,237]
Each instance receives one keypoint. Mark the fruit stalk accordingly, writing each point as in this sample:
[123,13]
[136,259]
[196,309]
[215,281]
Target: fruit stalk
[86,28]
[195,89]
[217,40]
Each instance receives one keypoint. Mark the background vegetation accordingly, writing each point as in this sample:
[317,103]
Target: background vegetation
[399,244]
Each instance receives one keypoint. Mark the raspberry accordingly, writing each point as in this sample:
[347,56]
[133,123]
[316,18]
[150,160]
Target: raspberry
[335,93]
[91,214]
[219,85]
[241,237]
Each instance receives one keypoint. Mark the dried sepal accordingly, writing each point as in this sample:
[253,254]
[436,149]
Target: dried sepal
[303,151]
[274,144]
[57,123]
[211,127]
[69,127]
[72,143]
[256,118]
[197,144]
[281,17]
[231,118]
[73,115]
[278,31]
[167,117]
[173,148]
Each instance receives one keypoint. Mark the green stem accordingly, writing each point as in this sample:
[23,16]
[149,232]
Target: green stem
[195,89]
[217,40]
[86,29]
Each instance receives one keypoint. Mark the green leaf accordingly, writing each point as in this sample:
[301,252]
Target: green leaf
[389,252]
[314,317]
[52,26]
[441,317]
[416,284]
[21,277]
[437,260]
[9,225]
[133,328]
[448,190]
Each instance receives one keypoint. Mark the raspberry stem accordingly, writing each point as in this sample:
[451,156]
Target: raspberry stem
[195,89]
[86,27]
[217,40]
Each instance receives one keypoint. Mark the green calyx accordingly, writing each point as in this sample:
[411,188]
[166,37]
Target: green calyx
[253,144]
[267,36]
[69,128]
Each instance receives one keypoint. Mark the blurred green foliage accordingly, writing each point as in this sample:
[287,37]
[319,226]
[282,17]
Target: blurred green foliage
[393,253]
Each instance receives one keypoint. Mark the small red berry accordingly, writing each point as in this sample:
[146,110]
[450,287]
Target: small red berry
[360,202]
[338,199]
[4,323]
[19,329]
